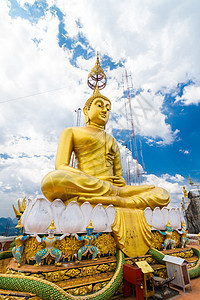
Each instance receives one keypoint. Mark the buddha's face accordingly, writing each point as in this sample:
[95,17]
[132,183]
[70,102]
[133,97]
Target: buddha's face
[98,113]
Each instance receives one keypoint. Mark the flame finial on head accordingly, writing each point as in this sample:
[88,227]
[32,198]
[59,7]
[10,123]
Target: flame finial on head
[168,224]
[97,76]
[52,226]
[90,225]
[183,224]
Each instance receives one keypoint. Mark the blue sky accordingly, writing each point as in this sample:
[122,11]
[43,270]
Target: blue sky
[48,49]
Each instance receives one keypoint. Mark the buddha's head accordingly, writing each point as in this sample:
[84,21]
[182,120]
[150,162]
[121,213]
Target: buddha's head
[97,109]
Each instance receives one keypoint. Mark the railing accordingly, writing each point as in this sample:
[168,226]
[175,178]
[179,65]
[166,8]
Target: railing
[5,242]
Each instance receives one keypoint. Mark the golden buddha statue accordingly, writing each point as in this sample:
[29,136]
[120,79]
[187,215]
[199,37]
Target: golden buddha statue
[98,177]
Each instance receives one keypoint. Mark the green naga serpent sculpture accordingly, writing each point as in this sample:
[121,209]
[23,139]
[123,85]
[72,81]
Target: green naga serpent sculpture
[47,290]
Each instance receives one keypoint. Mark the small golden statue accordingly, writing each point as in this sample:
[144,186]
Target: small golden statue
[168,240]
[183,232]
[17,251]
[50,243]
[185,192]
[98,177]
[87,238]
[190,181]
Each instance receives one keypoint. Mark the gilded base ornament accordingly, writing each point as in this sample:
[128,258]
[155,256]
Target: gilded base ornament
[158,239]
[69,247]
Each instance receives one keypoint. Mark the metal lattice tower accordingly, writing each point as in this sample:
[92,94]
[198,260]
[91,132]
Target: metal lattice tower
[128,87]
[78,123]
[78,117]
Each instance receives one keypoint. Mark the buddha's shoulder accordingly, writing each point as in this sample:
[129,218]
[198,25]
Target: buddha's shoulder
[77,132]
[84,131]
[72,130]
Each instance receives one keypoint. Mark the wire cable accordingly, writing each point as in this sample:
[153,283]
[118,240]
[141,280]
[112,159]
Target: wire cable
[28,96]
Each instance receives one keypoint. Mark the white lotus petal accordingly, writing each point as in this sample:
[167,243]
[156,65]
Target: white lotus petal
[57,207]
[39,217]
[173,218]
[25,215]
[71,219]
[111,213]
[148,215]
[165,213]
[86,209]
[157,219]
[99,218]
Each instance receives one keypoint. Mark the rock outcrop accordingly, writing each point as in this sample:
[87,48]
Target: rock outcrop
[192,213]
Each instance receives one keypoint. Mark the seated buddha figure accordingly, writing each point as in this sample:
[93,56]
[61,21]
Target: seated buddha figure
[98,178]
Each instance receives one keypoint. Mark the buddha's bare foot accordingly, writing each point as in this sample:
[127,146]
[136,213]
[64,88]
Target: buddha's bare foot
[131,190]
[114,200]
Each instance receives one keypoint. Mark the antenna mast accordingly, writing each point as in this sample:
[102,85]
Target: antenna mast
[78,122]
[129,88]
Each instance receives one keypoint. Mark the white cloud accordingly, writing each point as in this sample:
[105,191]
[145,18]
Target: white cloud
[148,118]
[31,125]
[191,95]
[184,151]
[155,38]
[173,184]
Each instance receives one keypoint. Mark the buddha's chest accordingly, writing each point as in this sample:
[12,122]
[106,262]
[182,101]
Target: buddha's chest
[91,142]
[89,139]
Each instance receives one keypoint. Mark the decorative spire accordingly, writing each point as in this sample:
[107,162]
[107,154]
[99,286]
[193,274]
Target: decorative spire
[183,224]
[96,90]
[168,224]
[97,76]
[90,225]
[190,181]
[24,204]
[17,213]
[21,210]
[52,226]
